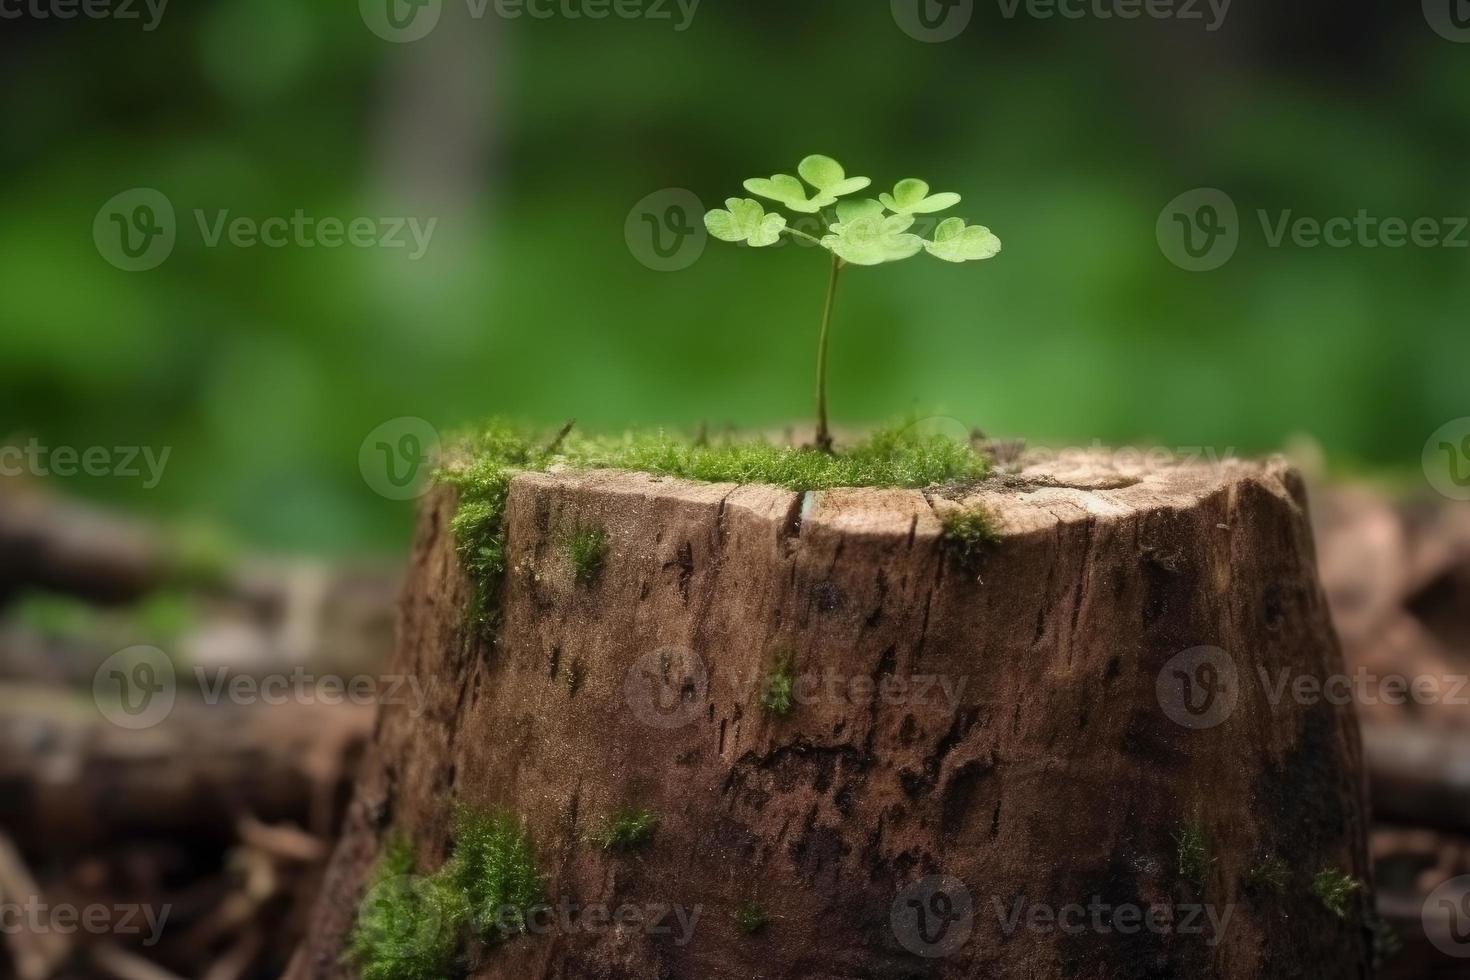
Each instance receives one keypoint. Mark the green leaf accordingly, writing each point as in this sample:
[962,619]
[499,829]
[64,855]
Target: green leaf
[745,221]
[873,239]
[789,191]
[823,173]
[863,207]
[954,242]
[828,177]
[911,196]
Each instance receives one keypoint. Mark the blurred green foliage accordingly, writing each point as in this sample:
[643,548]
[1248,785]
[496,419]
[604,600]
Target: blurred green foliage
[531,140]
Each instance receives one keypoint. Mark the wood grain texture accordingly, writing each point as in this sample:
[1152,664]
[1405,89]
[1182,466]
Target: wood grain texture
[1036,768]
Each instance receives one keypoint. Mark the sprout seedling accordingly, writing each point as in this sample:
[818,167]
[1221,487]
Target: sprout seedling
[857,231]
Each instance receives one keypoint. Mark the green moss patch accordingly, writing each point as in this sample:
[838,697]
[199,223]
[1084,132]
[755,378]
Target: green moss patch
[408,927]
[1335,889]
[586,550]
[495,869]
[625,829]
[412,926]
[482,466]
[1271,874]
[750,919]
[1193,851]
[968,532]
[778,688]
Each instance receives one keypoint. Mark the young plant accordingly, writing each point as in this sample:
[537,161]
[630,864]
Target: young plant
[856,231]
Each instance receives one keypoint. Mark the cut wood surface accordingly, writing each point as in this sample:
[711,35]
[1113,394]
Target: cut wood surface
[1079,719]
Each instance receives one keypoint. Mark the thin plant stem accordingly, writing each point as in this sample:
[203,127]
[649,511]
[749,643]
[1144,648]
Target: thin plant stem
[788,230]
[824,437]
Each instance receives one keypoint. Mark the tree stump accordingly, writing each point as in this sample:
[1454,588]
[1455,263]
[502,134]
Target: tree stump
[1067,756]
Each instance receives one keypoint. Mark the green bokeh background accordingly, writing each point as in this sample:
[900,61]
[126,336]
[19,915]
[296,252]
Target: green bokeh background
[530,140]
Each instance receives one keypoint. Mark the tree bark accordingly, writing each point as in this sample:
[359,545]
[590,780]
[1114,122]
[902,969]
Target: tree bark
[986,764]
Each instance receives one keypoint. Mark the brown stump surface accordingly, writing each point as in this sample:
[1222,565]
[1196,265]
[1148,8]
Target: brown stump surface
[968,742]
